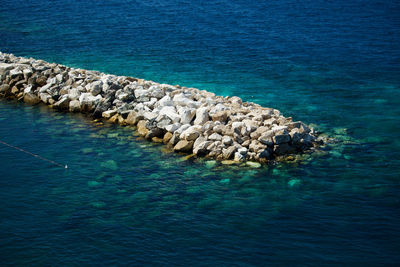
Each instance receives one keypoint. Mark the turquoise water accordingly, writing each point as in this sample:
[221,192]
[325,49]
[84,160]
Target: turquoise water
[126,201]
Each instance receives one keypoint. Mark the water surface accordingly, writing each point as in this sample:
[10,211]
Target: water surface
[126,201]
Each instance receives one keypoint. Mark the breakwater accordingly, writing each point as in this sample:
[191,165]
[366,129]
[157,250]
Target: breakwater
[188,120]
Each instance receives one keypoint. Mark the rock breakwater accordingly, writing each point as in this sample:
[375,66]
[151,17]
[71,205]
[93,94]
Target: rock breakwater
[188,120]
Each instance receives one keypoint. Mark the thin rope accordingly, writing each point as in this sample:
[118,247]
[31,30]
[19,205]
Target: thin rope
[35,155]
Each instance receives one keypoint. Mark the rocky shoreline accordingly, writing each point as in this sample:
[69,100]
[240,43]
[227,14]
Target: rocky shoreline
[188,120]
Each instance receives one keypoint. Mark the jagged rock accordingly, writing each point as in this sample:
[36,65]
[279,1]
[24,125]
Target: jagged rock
[228,152]
[239,157]
[62,104]
[170,112]
[187,115]
[200,146]
[266,139]
[191,133]
[101,107]
[201,116]
[41,80]
[96,87]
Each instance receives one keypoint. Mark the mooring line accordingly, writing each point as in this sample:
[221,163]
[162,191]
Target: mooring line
[35,155]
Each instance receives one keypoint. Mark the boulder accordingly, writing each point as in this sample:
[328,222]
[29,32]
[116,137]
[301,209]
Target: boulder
[191,133]
[62,104]
[109,113]
[88,101]
[227,140]
[170,112]
[215,137]
[201,116]
[200,146]
[184,146]
[173,127]
[221,116]
[281,138]
[31,98]
[228,153]
[283,149]
[75,106]
[141,127]
[186,114]
[266,139]
[167,137]
[4,88]
[96,87]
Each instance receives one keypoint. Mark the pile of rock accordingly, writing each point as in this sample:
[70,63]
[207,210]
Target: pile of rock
[187,119]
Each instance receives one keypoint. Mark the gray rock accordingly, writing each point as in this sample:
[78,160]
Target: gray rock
[215,137]
[191,133]
[228,153]
[62,104]
[96,87]
[239,157]
[227,140]
[266,139]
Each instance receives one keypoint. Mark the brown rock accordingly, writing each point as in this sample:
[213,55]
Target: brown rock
[141,127]
[31,98]
[114,118]
[184,146]
[41,80]
[167,137]
[133,118]
[157,139]
[221,116]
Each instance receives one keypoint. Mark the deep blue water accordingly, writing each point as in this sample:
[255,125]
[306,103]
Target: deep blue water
[123,201]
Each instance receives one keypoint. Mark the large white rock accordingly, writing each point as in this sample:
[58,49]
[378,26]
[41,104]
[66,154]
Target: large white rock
[191,133]
[201,116]
[170,112]
[155,91]
[187,114]
[96,87]
[173,127]
[165,101]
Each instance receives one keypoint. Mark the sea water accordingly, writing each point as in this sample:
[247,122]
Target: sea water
[125,201]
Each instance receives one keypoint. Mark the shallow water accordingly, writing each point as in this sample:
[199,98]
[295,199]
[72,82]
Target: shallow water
[126,201]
